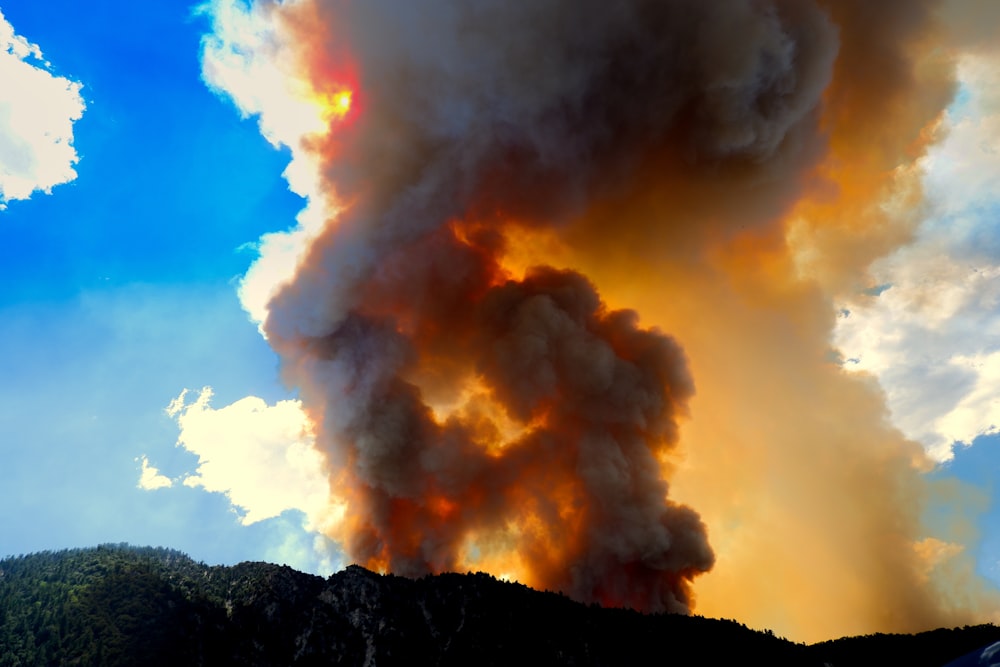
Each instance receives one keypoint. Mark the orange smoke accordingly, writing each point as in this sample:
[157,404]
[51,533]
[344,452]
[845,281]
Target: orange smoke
[813,501]
[574,501]
[335,106]
[725,168]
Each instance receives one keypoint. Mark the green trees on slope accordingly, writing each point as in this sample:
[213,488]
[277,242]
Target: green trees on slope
[106,606]
[120,605]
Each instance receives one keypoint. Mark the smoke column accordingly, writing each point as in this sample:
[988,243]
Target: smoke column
[721,167]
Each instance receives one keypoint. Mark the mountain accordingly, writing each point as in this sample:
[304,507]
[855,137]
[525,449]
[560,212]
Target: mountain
[121,605]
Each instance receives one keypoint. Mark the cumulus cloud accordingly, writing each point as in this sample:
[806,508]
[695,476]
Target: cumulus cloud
[37,111]
[928,327]
[259,455]
[150,478]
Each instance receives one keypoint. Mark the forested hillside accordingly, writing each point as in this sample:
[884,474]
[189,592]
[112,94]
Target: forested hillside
[120,605]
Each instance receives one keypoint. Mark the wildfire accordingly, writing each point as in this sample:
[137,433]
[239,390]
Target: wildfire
[487,401]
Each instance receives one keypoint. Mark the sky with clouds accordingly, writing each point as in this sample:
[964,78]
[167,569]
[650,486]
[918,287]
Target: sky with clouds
[132,198]
[138,183]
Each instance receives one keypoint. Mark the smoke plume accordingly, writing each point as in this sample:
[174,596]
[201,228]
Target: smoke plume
[519,117]
[720,167]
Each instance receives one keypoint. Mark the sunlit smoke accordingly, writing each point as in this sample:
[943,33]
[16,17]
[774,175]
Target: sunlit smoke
[728,170]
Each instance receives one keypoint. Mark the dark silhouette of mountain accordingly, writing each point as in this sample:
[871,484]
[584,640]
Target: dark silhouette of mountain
[121,605]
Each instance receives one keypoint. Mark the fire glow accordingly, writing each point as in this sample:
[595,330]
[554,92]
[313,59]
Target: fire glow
[334,107]
[583,462]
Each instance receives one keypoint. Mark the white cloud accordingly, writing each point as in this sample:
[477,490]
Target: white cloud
[978,411]
[261,456]
[247,60]
[37,111]
[932,334]
[150,478]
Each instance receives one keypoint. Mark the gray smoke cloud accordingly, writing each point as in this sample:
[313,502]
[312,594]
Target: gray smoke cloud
[470,122]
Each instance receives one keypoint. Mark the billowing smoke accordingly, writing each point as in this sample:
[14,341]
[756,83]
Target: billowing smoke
[472,122]
[724,168]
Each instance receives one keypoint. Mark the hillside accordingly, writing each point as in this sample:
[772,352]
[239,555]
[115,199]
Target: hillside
[120,605]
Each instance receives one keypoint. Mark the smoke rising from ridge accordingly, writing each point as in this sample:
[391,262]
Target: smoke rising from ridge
[721,167]
[526,129]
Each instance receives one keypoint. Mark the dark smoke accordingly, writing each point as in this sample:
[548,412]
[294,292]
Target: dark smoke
[474,121]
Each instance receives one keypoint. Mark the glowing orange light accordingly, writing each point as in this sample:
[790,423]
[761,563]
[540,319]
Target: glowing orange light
[335,106]
[340,104]
[442,507]
[332,107]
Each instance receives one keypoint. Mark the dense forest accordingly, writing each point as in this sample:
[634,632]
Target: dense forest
[121,605]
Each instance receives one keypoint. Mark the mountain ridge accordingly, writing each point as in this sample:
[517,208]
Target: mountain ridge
[124,605]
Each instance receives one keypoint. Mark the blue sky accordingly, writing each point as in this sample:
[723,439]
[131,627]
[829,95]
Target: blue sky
[120,291]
